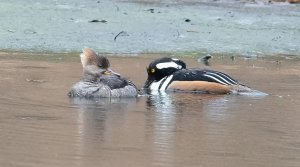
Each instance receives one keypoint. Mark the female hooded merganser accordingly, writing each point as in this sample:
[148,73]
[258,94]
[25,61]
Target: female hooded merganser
[99,80]
[171,74]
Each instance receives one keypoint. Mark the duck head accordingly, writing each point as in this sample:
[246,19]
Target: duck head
[95,65]
[162,67]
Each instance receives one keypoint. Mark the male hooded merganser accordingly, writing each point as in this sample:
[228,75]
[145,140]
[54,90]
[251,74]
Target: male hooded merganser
[99,80]
[171,74]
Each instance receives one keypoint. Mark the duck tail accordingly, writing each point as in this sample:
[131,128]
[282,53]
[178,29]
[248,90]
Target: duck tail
[245,90]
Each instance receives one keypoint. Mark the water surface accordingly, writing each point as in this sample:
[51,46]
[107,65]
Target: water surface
[41,126]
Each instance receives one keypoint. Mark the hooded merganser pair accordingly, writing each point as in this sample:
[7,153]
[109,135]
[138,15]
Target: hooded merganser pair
[169,74]
[99,80]
[164,74]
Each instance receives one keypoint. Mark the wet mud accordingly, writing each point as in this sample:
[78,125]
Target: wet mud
[242,27]
[41,126]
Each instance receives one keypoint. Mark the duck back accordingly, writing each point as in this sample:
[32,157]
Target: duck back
[106,86]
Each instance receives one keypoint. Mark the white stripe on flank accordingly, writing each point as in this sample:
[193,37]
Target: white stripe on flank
[209,76]
[168,65]
[230,79]
[166,82]
[221,77]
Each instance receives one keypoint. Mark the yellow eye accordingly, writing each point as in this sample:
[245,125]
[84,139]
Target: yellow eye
[152,70]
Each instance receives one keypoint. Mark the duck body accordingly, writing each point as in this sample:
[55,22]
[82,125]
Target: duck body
[99,81]
[164,75]
[87,89]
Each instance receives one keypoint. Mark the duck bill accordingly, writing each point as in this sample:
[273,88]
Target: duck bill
[148,82]
[112,72]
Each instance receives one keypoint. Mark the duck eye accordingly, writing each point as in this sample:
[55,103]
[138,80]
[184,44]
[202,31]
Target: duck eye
[152,70]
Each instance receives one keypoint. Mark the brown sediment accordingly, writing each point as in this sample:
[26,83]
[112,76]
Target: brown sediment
[40,123]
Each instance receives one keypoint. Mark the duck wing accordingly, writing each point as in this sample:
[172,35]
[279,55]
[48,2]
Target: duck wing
[115,81]
[203,75]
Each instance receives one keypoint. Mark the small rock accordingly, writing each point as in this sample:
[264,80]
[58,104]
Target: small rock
[98,21]
[187,20]
[151,10]
[28,31]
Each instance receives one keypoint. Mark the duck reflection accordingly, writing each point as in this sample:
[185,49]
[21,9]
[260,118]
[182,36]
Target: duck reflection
[154,127]
[192,119]
[179,102]
[93,113]
[170,113]
[97,120]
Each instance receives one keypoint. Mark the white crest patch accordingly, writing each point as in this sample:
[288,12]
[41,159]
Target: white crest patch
[168,65]
[83,59]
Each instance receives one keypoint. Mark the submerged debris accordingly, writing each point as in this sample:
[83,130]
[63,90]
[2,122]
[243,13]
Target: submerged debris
[35,80]
[187,20]
[122,33]
[205,59]
[12,31]
[232,58]
[29,31]
[150,10]
[97,21]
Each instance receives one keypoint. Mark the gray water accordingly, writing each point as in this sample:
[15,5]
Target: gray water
[41,126]
[225,27]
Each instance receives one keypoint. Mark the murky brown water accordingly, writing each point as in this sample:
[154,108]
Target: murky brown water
[41,126]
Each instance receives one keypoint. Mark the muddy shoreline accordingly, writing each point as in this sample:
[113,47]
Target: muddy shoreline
[206,27]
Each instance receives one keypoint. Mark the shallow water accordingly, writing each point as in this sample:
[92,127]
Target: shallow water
[244,27]
[41,126]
